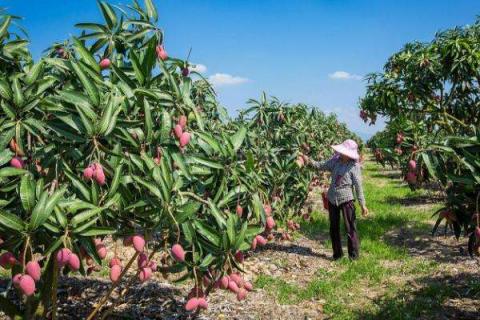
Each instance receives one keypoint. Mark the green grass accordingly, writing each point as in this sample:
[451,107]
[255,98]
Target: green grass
[380,261]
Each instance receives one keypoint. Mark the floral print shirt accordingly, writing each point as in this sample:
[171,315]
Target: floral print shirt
[346,180]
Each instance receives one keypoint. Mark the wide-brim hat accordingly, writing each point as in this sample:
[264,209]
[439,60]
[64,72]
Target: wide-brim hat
[348,148]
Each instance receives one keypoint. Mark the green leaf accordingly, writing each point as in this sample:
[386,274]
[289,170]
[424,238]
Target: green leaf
[231,229]
[123,77]
[5,91]
[113,123]
[178,159]
[39,187]
[187,211]
[38,216]
[18,98]
[108,14]
[113,201]
[232,195]
[137,68]
[85,215]
[53,201]
[250,163]
[220,190]
[11,221]
[87,83]
[60,217]
[171,80]
[207,261]
[87,124]
[19,136]
[211,142]
[34,72]
[27,193]
[51,227]
[92,26]
[85,55]
[4,26]
[188,231]
[107,116]
[150,186]
[241,236]
[217,214]
[199,119]
[8,109]
[76,204]
[98,231]
[6,137]
[148,121]
[238,138]
[85,226]
[206,163]
[151,10]
[257,207]
[5,156]
[428,163]
[10,172]
[157,174]
[253,231]
[78,100]
[116,180]
[207,233]
[165,127]
[78,184]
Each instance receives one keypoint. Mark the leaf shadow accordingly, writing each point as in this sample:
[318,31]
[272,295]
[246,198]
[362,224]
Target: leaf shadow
[430,297]
[77,297]
[293,248]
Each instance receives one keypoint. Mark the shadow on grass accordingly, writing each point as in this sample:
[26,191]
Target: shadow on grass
[152,300]
[444,297]
[413,200]
[418,242]
[292,248]
[394,175]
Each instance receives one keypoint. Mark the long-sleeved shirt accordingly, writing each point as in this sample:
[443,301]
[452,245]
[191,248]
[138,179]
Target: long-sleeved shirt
[345,177]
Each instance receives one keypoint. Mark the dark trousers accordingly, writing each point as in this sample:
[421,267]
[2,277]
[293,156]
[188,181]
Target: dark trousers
[348,211]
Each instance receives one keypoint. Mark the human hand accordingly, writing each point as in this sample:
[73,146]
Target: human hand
[364,211]
[306,158]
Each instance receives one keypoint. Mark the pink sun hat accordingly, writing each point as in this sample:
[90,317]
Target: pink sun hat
[348,148]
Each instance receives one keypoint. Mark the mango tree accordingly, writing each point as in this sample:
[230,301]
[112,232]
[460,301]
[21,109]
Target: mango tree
[108,138]
[429,93]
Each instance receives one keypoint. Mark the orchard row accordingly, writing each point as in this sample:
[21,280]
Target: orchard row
[429,94]
[108,137]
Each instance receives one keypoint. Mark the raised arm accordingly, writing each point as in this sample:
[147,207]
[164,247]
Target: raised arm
[326,165]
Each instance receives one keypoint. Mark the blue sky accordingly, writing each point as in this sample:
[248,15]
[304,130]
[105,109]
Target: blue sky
[300,51]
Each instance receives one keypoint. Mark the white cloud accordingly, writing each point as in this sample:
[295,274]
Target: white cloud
[224,79]
[198,67]
[343,75]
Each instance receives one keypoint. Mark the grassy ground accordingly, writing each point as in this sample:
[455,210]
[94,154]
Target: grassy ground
[377,286]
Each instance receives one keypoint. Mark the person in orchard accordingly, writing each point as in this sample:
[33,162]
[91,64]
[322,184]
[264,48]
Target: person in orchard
[345,182]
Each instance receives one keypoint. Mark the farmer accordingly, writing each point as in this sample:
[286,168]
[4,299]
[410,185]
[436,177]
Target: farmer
[346,176]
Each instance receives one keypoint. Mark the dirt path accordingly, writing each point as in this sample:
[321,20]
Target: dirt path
[403,273]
